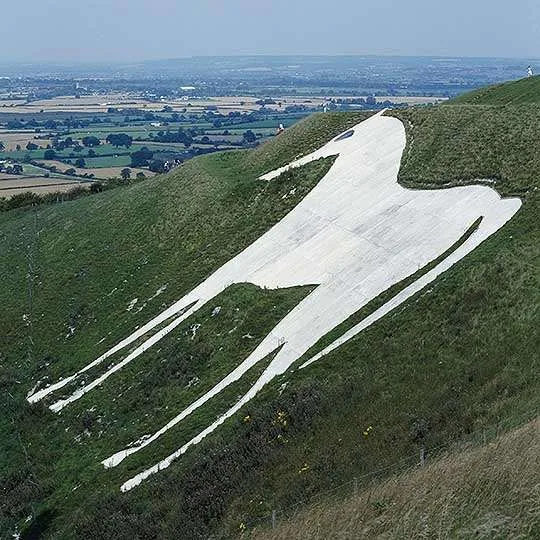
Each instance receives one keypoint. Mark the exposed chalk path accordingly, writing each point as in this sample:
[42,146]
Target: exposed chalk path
[357,233]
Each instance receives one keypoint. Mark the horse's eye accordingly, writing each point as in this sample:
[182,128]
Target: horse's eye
[345,135]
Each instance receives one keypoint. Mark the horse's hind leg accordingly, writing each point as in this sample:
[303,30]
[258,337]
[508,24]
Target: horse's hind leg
[186,306]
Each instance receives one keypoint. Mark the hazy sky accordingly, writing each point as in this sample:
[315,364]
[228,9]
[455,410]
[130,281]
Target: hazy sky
[96,30]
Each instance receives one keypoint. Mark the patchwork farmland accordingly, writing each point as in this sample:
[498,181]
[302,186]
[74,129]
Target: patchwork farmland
[125,139]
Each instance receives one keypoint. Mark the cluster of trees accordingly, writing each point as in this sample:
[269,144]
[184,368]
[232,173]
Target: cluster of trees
[70,171]
[236,117]
[29,146]
[180,136]
[81,123]
[90,141]
[266,101]
[51,153]
[370,102]
[67,123]
[61,144]
[11,169]
[249,137]
[142,157]
[119,139]
[126,174]
[58,145]
[145,158]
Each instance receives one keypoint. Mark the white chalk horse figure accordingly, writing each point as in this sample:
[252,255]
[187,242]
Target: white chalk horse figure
[357,233]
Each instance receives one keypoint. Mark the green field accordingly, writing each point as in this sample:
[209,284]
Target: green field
[40,171]
[17,156]
[142,132]
[105,161]
[272,123]
[102,150]
[143,129]
[35,171]
[136,131]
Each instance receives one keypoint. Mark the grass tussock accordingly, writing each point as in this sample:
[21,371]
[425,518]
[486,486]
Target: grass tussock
[492,491]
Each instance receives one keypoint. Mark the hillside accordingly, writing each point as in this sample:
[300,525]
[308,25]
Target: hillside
[488,491]
[457,358]
[509,93]
[70,273]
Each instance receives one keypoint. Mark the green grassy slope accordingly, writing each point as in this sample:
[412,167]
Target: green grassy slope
[457,358]
[457,145]
[515,92]
[69,273]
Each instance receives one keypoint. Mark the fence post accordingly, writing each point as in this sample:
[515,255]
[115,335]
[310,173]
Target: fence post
[422,457]
[273,519]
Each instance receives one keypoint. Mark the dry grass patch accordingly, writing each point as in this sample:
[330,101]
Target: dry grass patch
[100,173]
[492,491]
[41,189]
[29,182]
[13,138]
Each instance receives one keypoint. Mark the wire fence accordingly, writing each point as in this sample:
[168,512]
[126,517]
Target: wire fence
[356,484]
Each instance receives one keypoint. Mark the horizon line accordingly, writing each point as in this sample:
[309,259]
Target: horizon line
[258,55]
